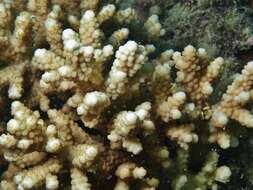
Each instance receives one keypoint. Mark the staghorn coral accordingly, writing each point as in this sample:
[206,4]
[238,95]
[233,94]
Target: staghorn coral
[186,180]
[92,103]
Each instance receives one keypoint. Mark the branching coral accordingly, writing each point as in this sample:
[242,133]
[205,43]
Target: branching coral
[185,179]
[97,105]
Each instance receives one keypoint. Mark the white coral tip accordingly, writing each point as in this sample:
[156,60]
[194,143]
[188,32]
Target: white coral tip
[118,76]
[202,52]
[207,88]
[139,172]
[130,118]
[220,119]
[88,15]
[71,44]
[52,183]
[80,110]
[91,99]
[87,51]
[91,151]
[24,144]
[179,96]
[108,50]
[53,145]
[27,183]
[50,23]
[223,174]
[51,130]
[18,178]
[191,106]
[14,92]
[131,46]
[189,48]
[40,53]
[175,114]
[125,31]
[249,67]
[64,70]
[243,97]
[12,125]
[47,76]
[68,34]
[142,114]
[15,105]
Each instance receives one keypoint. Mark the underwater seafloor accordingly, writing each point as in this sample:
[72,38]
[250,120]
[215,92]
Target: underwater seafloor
[126,94]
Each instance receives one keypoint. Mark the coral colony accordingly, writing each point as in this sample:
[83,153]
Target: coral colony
[87,103]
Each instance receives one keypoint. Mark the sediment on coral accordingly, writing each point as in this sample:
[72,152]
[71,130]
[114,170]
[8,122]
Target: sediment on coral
[90,102]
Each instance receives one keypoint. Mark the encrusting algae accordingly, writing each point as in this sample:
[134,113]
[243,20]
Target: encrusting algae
[89,105]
